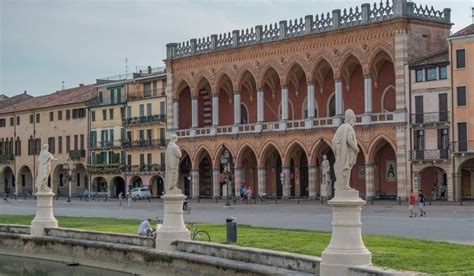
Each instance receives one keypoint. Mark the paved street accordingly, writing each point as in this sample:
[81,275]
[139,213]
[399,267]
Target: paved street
[447,222]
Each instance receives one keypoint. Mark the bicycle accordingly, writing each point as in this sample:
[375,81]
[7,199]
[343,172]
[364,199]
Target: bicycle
[187,208]
[198,235]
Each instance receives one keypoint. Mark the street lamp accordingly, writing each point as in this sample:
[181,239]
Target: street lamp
[67,166]
[282,181]
[225,161]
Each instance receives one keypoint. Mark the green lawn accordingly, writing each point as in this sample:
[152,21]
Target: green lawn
[387,251]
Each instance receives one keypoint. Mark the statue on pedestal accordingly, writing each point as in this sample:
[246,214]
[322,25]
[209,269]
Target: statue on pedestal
[344,146]
[173,155]
[326,190]
[44,169]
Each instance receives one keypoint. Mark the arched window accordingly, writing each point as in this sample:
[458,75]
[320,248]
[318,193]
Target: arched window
[332,106]
[244,119]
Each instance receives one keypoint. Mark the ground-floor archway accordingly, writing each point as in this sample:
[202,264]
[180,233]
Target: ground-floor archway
[25,177]
[433,183]
[136,182]
[184,182]
[273,169]
[79,179]
[466,172]
[8,181]
[157,186]
[205,176]
[324,149]
[385,171]
[117,186]
[99,185]
[247,162]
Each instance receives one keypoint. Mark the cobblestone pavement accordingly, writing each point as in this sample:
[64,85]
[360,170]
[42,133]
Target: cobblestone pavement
[444,221]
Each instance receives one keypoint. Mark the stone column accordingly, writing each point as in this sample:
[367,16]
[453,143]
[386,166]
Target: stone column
[338,99]
[455,193]
[44,217]
[401,155]
[238,182]
[260,106]
[286,184]
[369,181]
[194,112]
[367,99]
[216,183]
[175,114]
[284,102]
[450,184]
[237,114]
[261,180]
[312,176]
[195,183]
[400,66]
[215,110]
[310,100]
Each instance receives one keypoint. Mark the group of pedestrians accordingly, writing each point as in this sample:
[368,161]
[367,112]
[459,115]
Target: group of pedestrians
[412,203]
[245,194]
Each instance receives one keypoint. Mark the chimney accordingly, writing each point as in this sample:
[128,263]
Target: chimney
[149,69]
[81,84]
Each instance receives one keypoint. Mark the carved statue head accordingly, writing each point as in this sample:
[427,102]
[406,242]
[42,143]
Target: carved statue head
[45,147]
[174,138]
[325,157]
[349,117]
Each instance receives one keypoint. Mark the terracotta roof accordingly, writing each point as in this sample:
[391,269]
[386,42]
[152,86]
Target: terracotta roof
[469,30]
[14,100]
[63,97]
[436,58]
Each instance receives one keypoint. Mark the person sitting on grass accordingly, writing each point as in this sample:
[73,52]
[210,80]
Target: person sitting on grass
[145,228]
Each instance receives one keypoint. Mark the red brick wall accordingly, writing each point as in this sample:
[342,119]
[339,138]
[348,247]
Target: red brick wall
[386,77]
[184,106]
[354,97]
[356,182]
[226,109]
[388,187]
[322,99]
[297,100]
[249,99]
[271,103]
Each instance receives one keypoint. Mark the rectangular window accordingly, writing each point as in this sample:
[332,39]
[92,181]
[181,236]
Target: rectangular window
[462,137]
[122,112]
[37,118]
[419,75]
[68,143]
[460,58]
[75,113]
[76,142]
[111,136]
[18,147]
[12,121]
[419,109]
[51,144]
[68,114]
[129,112]
[93,116]
[142,110]
[111,114]
[60,144]
[147,89]
[2,123]
[17,120]
[431,74]
[93,139]
[101,98]
[51,116]
[148,109]
[141,134]
[461,95]
[104,137]
[162,158]
[142,160]
[60,115]
[38,145]
[129,159]
[162,108]
[32,118]
[149,159]
[119,95]
[104,114]
[112,96]
[443,72]
[82,141]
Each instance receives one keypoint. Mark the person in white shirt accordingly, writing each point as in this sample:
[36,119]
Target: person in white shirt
[145,228]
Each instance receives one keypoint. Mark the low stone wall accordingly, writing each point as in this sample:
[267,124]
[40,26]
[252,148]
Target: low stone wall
[100,236]
[15,228]
[369,270]
[291,261]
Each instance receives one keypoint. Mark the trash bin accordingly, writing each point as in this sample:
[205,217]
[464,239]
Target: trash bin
[231,226]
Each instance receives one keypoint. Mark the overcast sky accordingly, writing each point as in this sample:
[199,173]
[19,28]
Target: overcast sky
[45,42]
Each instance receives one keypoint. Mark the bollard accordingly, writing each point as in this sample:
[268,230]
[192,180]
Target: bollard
[399,200]
[231,227]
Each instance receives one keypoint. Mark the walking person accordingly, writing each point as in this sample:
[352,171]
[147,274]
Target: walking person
[249,194]
[120,197]
[242,194]
[411,204]
[421,204]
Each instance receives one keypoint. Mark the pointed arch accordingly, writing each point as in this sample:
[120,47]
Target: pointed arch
[220,150]
[347,66]
[322,143]
[241,153]
[265,150]
[225,82]
[265,68]
[201,154]
[321,68]
[287,153]
[378,142]
[181,84]
[377,59]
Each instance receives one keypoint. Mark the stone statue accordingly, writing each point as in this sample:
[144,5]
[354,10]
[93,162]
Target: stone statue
[44,169]
[344,146]
[326,169]
[173,155]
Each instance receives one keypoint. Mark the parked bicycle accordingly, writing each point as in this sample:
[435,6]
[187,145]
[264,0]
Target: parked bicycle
[198,235]
[186,206]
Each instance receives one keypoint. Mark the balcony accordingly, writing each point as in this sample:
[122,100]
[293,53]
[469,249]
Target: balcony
[463,147]
[315,123]
[105,168]
[430,118]
[147,93]
[106,145]
[161,118]
[6,158]
[144,169]
[144,143]
[77,154]
[429,155]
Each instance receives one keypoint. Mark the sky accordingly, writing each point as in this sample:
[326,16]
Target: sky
[44,43]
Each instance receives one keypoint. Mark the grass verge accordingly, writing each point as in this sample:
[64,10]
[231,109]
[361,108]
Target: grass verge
[387,251]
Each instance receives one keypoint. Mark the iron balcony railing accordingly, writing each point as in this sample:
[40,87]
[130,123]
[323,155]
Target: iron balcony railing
[106,144]
[463,146]
[429,154]
[143,168]
[161,118]
[144,143]
[6,158]
[430,117]
[105,168]
[77,154]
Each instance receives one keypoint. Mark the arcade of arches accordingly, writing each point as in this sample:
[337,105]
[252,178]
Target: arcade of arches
[261,169]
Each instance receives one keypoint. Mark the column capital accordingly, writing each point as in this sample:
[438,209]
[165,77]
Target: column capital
[174,100]
[194,98]
[284,86]
[260,90]
[367,76]
[237,92]
[310,83]
[261,168]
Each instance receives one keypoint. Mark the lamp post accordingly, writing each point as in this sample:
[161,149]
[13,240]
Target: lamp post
[282,181]
[225,161]
[68,167]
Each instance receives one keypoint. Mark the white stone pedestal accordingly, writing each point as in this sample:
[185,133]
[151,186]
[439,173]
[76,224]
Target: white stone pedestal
[173,227]
[44,217]
[346,247]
